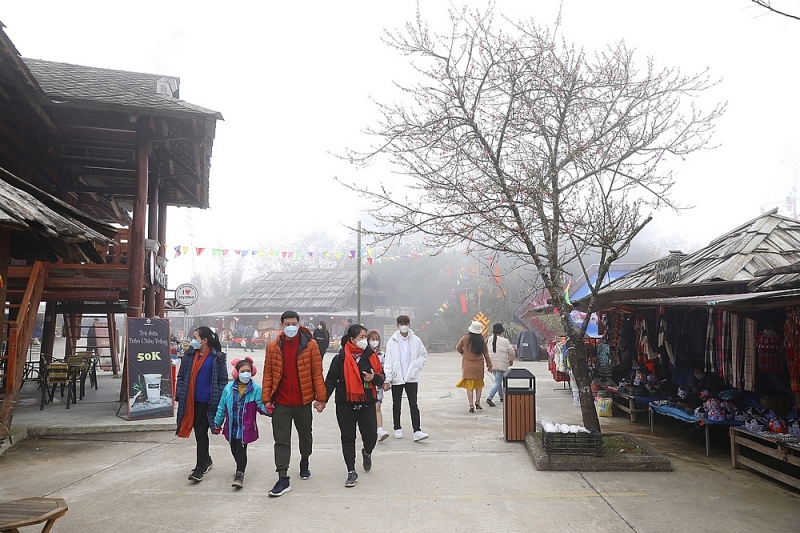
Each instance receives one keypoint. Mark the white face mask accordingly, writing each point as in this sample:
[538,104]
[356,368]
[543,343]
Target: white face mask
[362,344]
[244,377]
[403,329]
[374,344]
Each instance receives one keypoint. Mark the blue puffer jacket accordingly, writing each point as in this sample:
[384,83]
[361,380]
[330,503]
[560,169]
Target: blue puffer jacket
[219,379]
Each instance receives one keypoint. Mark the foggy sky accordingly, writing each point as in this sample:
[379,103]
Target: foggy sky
[294,80]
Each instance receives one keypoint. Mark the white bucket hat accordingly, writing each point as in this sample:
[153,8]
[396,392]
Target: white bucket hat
[475,327]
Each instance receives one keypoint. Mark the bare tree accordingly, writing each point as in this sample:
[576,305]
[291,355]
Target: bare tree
[767,4]
[520,143]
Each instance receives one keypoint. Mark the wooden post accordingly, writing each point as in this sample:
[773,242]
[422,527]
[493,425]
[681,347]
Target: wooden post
[5,260]
[113,346]
[152,233]
[136,243]
[49,331]
[162,251]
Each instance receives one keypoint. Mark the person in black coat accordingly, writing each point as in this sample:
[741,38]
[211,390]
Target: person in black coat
[355,374]
[323,337]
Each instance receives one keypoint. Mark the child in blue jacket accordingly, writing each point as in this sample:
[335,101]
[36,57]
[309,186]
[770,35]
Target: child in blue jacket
[241,400]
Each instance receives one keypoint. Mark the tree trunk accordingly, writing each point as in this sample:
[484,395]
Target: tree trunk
[580,369]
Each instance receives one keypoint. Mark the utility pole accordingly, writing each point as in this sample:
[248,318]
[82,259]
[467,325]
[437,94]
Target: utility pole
[358,272]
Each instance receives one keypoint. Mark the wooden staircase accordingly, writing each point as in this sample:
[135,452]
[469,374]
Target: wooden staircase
[16,336]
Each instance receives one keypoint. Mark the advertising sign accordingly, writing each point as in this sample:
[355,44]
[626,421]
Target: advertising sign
[186,294]
[149,369]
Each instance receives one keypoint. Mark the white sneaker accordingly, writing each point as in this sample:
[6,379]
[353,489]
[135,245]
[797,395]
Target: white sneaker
[382,434]
[398,433]
[419,435]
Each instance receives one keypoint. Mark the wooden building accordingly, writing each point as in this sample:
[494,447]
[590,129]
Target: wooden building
[111,149]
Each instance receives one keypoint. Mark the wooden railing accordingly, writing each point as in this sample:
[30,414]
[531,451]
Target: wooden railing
[20,331]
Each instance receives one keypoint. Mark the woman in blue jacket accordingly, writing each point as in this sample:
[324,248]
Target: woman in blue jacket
[201,379]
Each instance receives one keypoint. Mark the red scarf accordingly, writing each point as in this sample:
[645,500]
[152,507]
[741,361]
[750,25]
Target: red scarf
[354,383]
[187,422]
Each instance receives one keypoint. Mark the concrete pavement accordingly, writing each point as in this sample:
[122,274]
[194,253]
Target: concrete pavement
[465,477]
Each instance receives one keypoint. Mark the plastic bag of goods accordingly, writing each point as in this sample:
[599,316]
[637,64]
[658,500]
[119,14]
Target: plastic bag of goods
[603,407]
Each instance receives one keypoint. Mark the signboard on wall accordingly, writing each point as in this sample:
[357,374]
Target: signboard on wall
[149,369]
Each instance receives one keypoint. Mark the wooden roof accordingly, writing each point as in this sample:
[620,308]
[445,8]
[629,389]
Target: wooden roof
[317,290]
[47,228]
[74,128]
[728,264]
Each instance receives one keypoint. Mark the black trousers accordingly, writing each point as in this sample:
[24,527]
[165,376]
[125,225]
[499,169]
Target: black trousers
[397,398]
[367,423]
[239,452]
[201,428]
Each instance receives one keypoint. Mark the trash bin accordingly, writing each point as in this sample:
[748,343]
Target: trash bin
[519,408]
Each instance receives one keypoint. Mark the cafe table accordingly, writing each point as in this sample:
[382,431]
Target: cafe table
[15,514]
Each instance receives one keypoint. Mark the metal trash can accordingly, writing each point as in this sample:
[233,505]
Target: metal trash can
[519,410]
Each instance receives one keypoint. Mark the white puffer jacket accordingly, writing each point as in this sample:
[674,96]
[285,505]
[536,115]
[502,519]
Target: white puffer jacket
[504,356]
[391,365]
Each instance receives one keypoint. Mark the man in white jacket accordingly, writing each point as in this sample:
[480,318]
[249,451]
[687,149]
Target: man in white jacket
[405,357]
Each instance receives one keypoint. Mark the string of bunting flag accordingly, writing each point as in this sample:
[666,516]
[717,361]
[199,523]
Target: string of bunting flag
[369,255]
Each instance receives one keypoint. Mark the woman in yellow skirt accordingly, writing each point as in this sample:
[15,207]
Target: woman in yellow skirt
[474,353]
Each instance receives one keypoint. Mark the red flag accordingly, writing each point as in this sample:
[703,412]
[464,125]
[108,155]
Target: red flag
[369,260]
[463,303]
[199,251]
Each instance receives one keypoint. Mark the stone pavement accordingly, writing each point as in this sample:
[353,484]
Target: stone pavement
[122,476]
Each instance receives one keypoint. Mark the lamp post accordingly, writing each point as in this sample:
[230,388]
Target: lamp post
[358,273]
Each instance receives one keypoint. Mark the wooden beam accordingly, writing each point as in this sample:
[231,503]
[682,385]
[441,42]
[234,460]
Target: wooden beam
[162,252]
[152,233]
[80,296]
[73,307]
[788,269]
[136,244]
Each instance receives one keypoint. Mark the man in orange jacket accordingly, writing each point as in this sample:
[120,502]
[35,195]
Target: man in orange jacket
[292,382]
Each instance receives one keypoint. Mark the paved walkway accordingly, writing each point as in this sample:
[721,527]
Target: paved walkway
[465,477]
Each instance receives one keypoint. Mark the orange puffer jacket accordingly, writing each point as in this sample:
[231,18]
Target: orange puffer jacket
[309,369]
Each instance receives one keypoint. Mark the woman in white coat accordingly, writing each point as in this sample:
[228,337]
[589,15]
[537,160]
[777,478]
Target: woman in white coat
[502,354]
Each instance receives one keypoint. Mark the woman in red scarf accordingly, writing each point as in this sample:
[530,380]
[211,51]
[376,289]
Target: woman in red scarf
[201,379]
[356,375]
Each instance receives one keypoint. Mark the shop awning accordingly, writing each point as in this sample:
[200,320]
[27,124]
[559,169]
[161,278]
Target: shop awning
[737,302]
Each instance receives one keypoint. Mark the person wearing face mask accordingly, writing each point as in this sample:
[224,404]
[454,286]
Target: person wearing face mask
[323,337]
[374,340]
[405,357]
[356,375]
[198,389]
[240,402]
[292,384]
[705,381]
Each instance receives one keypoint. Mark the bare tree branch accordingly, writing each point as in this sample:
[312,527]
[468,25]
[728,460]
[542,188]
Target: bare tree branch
[767,4]
[516,142]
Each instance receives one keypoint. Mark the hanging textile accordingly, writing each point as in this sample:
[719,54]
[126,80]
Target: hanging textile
[723,344]
[769,352]
[791,331]
[736,343]
[603,360]
[711,343]
[749,354]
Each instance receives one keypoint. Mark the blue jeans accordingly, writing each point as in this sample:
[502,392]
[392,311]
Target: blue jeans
[498,384]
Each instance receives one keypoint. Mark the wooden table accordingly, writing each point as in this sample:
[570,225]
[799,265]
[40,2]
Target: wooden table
[766,446]
[15,514]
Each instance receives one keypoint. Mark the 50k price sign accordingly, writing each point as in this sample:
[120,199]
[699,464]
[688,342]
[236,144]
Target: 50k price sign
[149,369]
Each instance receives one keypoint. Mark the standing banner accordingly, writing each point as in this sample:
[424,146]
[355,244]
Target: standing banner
[149,369]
